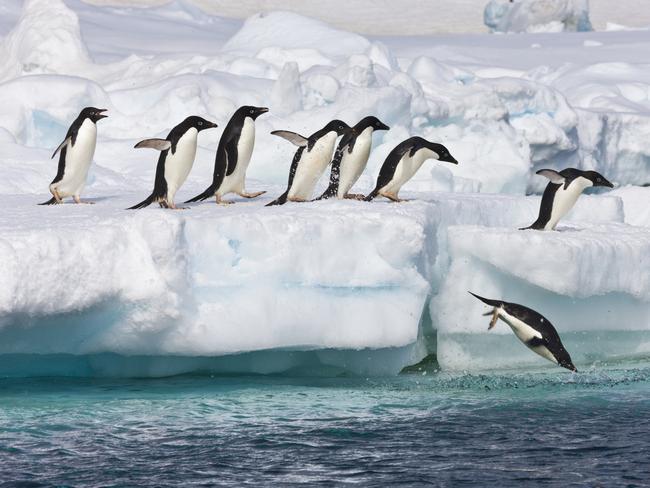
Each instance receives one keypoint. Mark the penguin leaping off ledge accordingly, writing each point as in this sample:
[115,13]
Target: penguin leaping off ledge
[531,328]
[76,155]
[177,152]
[562,193]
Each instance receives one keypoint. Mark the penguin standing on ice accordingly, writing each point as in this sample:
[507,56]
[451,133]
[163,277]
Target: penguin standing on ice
[403,162]
[233,155]
[351,158]
[312,157]
[177,152]
[562,193]
[76,154]
[537,333]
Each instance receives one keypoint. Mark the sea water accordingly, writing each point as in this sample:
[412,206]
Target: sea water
[545,427]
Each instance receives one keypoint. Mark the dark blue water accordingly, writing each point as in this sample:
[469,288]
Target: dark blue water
[534,428]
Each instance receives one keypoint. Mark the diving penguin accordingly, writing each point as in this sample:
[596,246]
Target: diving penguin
[351,158]
[402,163]
[76,154]
[177,152]
[310,160]
[233,155]
[535,331]
[562,193]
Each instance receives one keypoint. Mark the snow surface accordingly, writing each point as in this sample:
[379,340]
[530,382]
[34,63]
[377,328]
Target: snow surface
[537,16]
[351,285]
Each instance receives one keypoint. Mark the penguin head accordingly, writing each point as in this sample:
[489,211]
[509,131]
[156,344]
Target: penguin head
[93,113]
[442,152]
[370,121]
[337,126]
[597,179]
[253,112]
[199,123]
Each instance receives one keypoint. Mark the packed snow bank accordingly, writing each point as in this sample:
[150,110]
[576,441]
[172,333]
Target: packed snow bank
[537,15]
[347,276]
[47,39]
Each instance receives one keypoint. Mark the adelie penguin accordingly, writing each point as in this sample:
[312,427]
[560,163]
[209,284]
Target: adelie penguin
[562,193]
[76,154]
[403,162]
[177,152]
[233,155]
[310,160]
[351,158]
[531,328]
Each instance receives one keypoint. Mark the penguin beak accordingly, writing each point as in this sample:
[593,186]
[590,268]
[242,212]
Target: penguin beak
[262,110]
[382,126]
[210,125]
[449,159]
[100,115]
[606,183]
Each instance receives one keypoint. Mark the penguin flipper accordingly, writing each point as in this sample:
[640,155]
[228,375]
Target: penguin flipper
[65,141]
[552,175]
[335,174]
[231,155]
[157,144]
[292,137]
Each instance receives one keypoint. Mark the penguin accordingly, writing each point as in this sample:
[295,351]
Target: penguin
[351,158]
[402,163]
[76,154]
[233,155]
[562,193]
[310,160]
[534,330]
[177,153]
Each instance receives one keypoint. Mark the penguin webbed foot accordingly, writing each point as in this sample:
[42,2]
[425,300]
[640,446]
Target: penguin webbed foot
[219,201]
[495,317]
[255,194]
[354,196]
[77,200]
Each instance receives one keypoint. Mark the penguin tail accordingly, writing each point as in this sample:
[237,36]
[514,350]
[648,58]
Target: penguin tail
[209,192]
[487,301]
[534,226]
[329,193]
[281,200]
[144,203]
[371,195]
[51,201]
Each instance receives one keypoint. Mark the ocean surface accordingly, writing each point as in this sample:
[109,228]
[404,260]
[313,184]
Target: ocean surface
[523,428]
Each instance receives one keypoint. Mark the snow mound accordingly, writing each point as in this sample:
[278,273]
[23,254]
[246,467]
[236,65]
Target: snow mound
[46,39]
[288,30]
[537,16]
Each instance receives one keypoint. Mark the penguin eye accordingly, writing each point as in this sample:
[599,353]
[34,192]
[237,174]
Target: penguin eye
[251,110]
[200,122]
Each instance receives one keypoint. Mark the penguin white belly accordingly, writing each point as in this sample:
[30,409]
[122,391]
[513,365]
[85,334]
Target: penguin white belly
[526,333]
[353,164]
[77,161]
[235,182]
[311,166]
[406,168]
[179,164]
[564,200]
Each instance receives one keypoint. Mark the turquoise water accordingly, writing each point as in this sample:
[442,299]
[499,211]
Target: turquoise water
[526,428]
